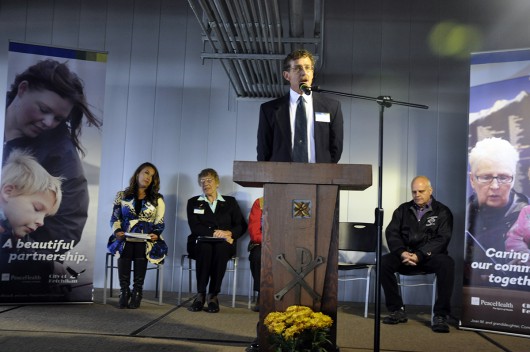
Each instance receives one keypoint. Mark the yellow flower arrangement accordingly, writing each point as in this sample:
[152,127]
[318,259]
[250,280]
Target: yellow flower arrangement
[298,329]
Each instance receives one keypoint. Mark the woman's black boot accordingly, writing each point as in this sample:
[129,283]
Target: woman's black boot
[140,268]
[125,296]
[124,274]
[136,298]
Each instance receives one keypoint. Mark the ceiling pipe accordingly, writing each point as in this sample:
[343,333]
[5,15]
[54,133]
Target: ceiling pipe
[296,19]
[247,37]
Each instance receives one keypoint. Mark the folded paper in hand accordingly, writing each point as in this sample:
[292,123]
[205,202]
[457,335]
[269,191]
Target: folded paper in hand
[142,236]
[210,239]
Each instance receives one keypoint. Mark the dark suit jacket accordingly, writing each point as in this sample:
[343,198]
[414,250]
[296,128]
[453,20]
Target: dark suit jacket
[227,216]
[274,130]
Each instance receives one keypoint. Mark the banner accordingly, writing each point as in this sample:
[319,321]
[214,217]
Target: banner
[497,255]
[53,115]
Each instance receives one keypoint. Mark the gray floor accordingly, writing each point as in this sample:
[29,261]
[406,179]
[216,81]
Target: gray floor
[167,327]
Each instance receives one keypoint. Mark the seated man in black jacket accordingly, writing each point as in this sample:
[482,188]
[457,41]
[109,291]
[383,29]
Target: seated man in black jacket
[417,237]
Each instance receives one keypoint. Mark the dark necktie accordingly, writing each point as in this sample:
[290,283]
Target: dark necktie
[300,133]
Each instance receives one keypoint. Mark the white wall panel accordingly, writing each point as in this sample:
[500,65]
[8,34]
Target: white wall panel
[114,173]
[93,24]
[168,117]
[193,146]
[65,27]
[39,22]
[141,96]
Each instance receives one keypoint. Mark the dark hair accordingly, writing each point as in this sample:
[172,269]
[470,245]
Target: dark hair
[295,55]
[207,172]
[151,193]
[55,76]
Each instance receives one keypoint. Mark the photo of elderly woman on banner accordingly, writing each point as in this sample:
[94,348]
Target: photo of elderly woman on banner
[497,236]
[54,112]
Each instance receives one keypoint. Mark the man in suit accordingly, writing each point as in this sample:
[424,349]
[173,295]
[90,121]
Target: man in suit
[324,123]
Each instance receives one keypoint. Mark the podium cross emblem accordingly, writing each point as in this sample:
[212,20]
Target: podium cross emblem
[302,209]
[298,275]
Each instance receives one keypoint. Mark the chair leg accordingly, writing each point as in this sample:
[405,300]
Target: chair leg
[250,289]
[235,283]
[232,284]
[230,271]
[112,267]
[181,278]
[401,284]
[106,277]
[157,280]
[367,295]
[401,291]
[189,269]
[189,273]
[160,283]
[434,283]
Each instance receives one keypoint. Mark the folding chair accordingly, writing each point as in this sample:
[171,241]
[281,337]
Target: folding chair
[186,264]
[358,241]
[109,272]
[401,279]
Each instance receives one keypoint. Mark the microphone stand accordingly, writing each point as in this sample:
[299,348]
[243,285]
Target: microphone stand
[384,102]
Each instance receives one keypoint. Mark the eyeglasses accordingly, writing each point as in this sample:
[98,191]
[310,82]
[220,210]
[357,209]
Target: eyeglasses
[299,68]
[206,181]
[501,179]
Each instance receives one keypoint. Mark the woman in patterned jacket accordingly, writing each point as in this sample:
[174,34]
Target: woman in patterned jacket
[137,222]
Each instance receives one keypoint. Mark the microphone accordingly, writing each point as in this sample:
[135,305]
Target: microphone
[307,89]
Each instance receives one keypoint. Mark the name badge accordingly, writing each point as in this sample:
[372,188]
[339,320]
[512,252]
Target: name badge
[322,117]
[198,211]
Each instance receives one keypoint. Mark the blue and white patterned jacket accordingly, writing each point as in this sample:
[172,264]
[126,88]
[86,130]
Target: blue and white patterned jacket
[124,218]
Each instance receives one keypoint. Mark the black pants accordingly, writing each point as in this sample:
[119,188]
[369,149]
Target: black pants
[133,252]
[255,266]
[443,266]
[211,261]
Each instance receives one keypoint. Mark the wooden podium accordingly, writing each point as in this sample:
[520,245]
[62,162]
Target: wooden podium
[300,233]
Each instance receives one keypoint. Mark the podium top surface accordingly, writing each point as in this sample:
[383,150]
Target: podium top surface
[353,177]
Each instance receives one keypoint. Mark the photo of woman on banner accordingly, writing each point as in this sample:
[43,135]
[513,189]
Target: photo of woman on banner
[493,209]
[46,107]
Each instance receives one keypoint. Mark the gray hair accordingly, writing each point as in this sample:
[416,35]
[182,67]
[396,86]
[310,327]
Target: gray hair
[494,149]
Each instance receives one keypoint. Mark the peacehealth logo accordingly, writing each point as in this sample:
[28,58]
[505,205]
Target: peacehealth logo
[495,305]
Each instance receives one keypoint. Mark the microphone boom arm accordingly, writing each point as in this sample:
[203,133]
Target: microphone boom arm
[381,100]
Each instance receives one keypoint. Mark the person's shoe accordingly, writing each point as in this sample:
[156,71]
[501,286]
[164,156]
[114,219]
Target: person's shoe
[136,299]
[396,317]
[254,346]
[125,296]
[439,324]
[198,303]
[213,304]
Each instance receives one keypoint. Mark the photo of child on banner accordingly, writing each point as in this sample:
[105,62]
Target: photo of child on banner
[28,195]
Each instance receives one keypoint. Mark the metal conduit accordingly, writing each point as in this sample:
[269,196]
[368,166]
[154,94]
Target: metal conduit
[248,39]
[228,42]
